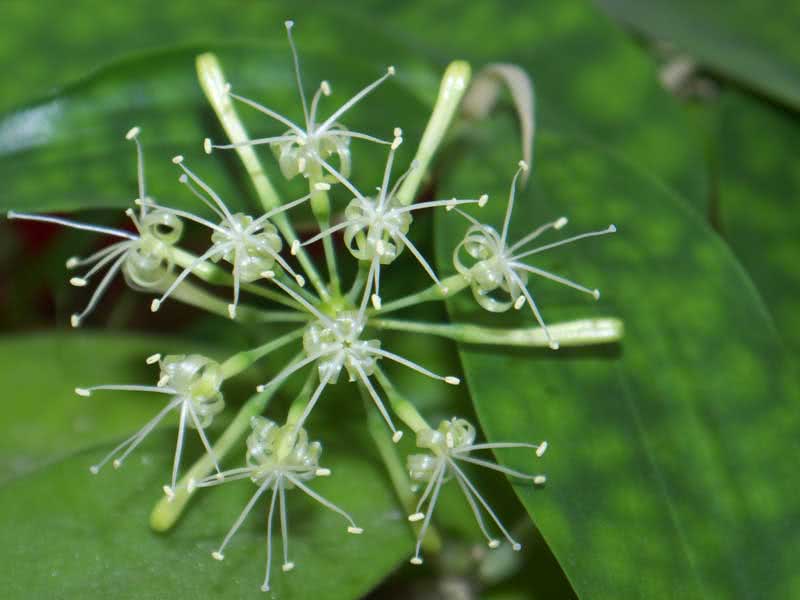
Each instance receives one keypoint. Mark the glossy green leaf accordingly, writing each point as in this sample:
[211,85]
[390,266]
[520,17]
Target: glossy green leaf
[754,44]
[68,152]
[70,534]
[671,469]
[759,184]
[75,136]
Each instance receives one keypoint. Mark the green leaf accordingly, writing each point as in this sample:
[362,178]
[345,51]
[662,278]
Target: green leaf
[671,469]
[73,144]
[68,151]
[757,147]
[68,533]
[754,44]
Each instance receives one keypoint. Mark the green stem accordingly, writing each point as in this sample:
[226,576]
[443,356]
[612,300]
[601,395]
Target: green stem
[401,406]
[397,473]
[191,294]
[451,91]
[453,284]
[214,275]
[301,401]
[167,511]
[321,207]
[243,360]
[212,80]
[583,332]
[359,281]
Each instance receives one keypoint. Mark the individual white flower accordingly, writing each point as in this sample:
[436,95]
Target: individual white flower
[297,149]
[375,228]
[193,383]
[250,245]
[143,256]
[280,459]
[335,342]
[453,441]
[497,276]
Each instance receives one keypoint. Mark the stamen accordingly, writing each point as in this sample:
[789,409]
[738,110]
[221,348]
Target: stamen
[132,442]
[287,371]
[557,278]
[287,564]
[178,160]
[420,259]
[312,401]
[376,399]
[298,298]
[218,555]
[609,229]
[510,207]
[215,249]
[412,365]
[493,466]
[72,224]
[516,546]
[289,25]
[265,586]
[557,224]
[353,528]
[354,100]
[270,113]
[551,342]
[416,559]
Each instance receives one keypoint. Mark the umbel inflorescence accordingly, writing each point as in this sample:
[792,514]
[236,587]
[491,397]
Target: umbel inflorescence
[336,332]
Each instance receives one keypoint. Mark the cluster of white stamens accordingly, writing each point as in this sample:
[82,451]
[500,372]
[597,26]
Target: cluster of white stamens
[335,327]
[375,228]
[495,265]
[298,149]
[193,383]
[279,458]
[250,245]
[333,343]
[143,257]
[454,441]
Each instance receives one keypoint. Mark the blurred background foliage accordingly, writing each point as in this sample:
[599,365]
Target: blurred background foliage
[674,453]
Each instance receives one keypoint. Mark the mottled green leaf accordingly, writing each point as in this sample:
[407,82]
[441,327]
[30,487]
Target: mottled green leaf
[753,43]
[671,469]
[70,534]
[759,188]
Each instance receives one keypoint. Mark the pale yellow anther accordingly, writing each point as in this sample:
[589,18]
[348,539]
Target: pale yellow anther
[541,449]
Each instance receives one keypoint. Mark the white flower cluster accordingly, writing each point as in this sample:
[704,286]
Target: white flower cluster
[335,331]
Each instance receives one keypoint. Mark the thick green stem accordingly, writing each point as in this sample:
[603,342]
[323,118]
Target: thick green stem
[401,406]
[243,360]
[583,332]
[453,284]
[321,207]
[359,281]
[167,510]
[397,473]
[212,80]
[451,91]
[299,404]
[200,298]
[211,273]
